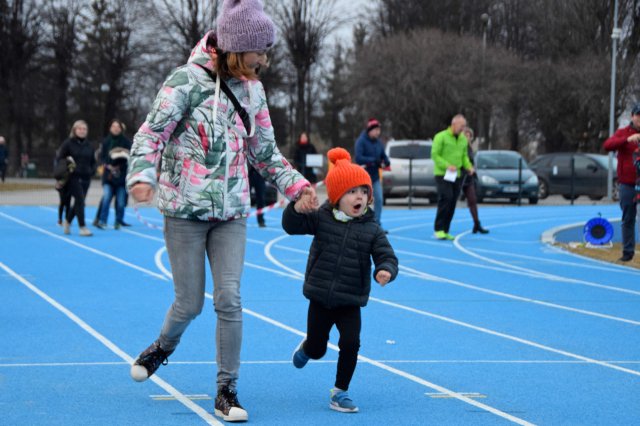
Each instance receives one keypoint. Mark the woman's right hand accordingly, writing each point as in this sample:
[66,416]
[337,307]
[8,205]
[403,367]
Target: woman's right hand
[142,192]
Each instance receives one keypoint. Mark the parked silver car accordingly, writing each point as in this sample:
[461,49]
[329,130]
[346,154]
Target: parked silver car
[498,173]
[409,159]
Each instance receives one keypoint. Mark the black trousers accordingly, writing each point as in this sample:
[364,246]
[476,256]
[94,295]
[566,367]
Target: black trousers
[448,193]
[260,189]
[78,188]
[320,320]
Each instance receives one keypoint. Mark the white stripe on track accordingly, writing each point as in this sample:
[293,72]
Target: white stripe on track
[461,323]
[202,413]
[320,361]
[551,277]
[506,336]
[423,275]
[401,373]
[82,246]
[598,266]
[418,274]
[383,366]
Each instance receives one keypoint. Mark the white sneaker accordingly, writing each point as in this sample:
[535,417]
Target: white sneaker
[66,228]
[84,231]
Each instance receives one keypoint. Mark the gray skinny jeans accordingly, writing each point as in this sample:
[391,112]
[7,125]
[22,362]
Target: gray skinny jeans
[224,244]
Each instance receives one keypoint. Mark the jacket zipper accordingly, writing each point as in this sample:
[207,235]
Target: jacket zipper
[335,274]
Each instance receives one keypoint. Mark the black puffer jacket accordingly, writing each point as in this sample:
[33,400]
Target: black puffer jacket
[339,266]
[83,155]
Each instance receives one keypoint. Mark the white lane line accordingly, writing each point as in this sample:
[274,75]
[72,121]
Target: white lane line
[429,277]
[559,250]
[401,373]
[551,277]
[441,259]
[505,336]
[386,367]
[82,246]
[319,361]
[113,348]
[158,261]
[423,275]
[298,275]
[602,267]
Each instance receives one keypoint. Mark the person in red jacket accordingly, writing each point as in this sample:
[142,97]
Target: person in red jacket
[625,141]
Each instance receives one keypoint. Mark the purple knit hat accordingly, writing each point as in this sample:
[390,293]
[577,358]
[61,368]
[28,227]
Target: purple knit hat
[244,27]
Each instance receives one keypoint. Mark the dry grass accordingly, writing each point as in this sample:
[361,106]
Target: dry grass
[608,254]
[14,186]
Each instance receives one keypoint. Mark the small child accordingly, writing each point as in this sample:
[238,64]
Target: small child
[338,277]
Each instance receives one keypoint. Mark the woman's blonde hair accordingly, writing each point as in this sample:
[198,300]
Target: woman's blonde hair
[77,124]
[231,64]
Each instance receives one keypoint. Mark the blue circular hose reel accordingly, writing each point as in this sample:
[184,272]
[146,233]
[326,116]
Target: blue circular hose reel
[598,231]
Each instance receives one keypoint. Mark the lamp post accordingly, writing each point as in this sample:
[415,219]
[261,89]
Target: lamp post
[615,35]
[486,19]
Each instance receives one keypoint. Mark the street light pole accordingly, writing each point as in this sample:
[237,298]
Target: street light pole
[615,35]
[485,18]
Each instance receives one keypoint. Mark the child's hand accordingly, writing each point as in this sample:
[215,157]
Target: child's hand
[307,202]
[383,277]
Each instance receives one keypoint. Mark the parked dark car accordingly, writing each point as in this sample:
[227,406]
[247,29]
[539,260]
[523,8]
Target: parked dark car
[590,175]
[498,173]
[404,154]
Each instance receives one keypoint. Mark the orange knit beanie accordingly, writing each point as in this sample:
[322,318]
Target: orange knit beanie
[344,175]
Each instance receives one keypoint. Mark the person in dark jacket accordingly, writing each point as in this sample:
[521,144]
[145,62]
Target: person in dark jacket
[370,154]
[79,149]
[259,186]
[114,157]
[304,147]
[4,157]
[626,140]
[338,276]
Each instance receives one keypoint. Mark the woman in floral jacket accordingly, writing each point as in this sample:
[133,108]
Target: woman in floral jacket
[194,149]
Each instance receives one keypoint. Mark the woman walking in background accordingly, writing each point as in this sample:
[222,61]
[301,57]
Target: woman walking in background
[469,186]
[115,158]
[78,148]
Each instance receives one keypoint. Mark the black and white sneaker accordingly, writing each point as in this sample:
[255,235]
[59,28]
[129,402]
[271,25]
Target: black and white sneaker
[228,407]
[148,362]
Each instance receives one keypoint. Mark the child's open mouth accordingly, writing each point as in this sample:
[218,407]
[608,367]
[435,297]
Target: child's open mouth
[357,207]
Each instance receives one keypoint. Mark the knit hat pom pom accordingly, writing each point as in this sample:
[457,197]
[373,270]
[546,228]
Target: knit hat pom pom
[336,154]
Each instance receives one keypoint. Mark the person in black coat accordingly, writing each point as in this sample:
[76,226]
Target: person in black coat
[79,149]
[338,276]
[114,155]
[304,147]
[4,157]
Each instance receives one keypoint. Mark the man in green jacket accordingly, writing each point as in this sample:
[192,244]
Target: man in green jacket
[449,153]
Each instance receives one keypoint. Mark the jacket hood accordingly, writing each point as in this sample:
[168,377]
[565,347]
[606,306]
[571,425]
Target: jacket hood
[200,55]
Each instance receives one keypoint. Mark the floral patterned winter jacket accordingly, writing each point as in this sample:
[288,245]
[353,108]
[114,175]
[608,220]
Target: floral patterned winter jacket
[198,161]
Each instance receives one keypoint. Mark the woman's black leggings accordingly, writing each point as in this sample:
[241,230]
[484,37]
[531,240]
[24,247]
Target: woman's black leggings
[78,188]
[348,321]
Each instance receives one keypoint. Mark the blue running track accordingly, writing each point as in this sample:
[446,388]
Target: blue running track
[485,330]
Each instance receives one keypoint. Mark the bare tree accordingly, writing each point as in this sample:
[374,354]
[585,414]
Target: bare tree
[106,58]
[62,42]
[183,23]
[304,26]
[20,34]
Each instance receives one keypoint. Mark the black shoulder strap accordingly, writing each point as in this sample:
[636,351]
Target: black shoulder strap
[227,91]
